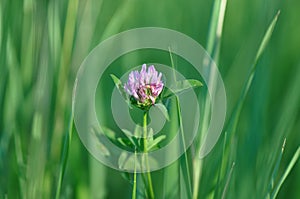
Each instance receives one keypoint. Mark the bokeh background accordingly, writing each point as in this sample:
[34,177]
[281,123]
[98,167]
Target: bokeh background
[43,43]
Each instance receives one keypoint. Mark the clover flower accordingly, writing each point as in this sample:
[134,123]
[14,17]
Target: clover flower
[144,87]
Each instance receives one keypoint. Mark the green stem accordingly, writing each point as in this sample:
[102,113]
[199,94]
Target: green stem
[197,165]
[134,178]
[146,155]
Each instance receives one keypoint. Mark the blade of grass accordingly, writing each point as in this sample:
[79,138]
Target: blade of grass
[54,31]
[1,26]
[38,147]
[11,103]
[117,19]
[228,181]
[222,168]
[236,113]
[27,47]
[289,109]
[213,48]
[171,179]
[286,173]
[216,28]
[87,27]
[36,159]
[64,157]
[65,151]
[234,118]
[287,117]
[20,162]
[63,72]
[184,163]
[275,171]
[98,176]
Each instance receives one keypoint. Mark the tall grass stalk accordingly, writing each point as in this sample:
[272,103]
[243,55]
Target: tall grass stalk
[213,48]
[228,181]
[235,116]
[184,162]
[62,97]
[222,166]
[286,173]
[64,156]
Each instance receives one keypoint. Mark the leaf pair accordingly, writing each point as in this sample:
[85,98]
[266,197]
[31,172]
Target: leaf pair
[137,143]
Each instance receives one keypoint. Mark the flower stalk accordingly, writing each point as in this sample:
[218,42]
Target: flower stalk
[146,155]
[142,90]
[134,178]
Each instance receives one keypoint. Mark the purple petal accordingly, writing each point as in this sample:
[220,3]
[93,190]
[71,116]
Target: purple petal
[139,83]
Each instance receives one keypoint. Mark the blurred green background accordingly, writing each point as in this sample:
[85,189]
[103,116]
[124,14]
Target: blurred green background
[43,43]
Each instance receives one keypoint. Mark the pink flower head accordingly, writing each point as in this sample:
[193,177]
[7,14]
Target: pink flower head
[144,86]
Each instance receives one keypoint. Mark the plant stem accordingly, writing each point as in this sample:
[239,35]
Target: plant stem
[146,155]
[134,178]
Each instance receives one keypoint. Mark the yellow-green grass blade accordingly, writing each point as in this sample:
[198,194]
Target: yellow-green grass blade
[286,173]
[276,168]
[184,172]
[228,181]
[233,121]
[64,156]
[213,48]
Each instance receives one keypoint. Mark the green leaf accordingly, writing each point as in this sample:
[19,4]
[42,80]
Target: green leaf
[105,132]
[150,135]
[120,88]
[122,160]
[127,133]
[116,80]
[126,142]
[186,84]
[286,173]
[109,133]
[101,147]
[128,161]
[163,109]
[138,131]
[131,138]
[126,176]
[155,142]
[181,86]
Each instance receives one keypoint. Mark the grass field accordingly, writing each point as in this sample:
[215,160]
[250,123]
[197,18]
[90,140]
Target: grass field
[256,45]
